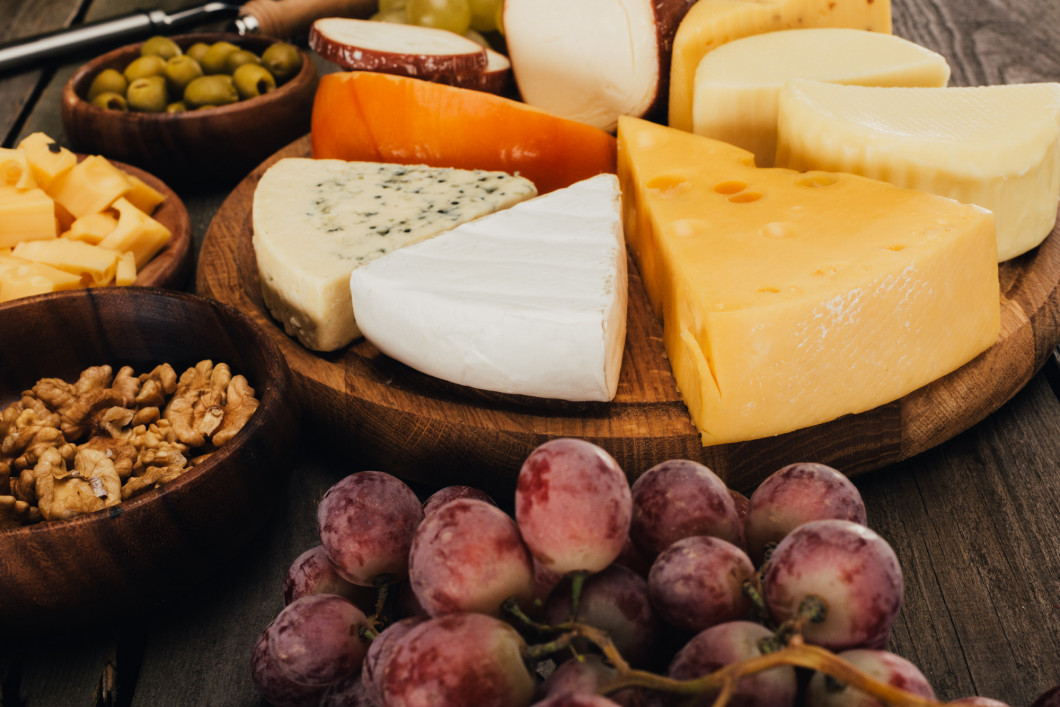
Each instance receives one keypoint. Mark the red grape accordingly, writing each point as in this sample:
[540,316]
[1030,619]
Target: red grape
[468,556]
[573,506]
[678,499]
[378,653]
[825,691]
[315,641]
[850,569]
[350,692]
[585,675]
[577,700]
[458,660]
[728,643]
[312,572]
[451,493]
[1049,698]
[698,582]
[634,559]
[366,524]
[273,684]
[797,494]
[616,601]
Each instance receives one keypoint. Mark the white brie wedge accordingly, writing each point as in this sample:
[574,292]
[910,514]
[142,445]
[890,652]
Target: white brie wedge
[530,300]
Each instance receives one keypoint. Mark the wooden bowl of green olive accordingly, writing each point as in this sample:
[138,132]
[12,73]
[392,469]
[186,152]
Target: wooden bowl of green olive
[195,109]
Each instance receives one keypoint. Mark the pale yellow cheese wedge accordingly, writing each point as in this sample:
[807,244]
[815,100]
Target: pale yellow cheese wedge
[92,228]
[46,158]
[125,274]
[142,195]
[22,278]
[90,186]
[94,264]
[25,214]
[736,87]
[994,146]
[711,23]
[790,299]
[15,170]
[136,232]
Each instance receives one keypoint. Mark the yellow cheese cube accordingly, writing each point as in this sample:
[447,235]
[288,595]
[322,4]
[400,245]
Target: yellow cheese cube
[46,158]
[26,215]
[22,278]
[126,272]
[789,299]
[95,264]
[136,232]
[737,84]
[711,23]
[15,170]
[90,186]
[994,146]
[142,195]
[92,228]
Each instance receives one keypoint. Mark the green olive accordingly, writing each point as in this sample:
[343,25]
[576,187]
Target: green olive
[212,90]
[176,107]
[110,100]
[197,50]
[179,72]
[238,58]
[147,94]
[150,65]
[283,60]
[213,61]
[107,81]
[253,80]
[160,46]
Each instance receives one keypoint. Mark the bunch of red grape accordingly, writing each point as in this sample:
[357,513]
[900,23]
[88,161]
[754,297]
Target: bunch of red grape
[675,590]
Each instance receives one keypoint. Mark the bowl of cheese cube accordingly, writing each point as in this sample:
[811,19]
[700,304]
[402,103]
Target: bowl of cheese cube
[69,221]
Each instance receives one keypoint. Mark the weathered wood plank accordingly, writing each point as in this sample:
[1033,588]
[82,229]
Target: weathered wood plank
[974,523]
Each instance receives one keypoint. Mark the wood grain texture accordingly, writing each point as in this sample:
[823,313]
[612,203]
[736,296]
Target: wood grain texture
[77,571]
[413,425]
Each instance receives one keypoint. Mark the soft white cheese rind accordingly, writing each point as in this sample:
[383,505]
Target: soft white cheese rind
[528,301]
[315,221]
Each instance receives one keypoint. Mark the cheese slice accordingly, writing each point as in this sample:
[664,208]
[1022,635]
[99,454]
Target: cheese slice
[994,146]
[315,221]
[528,301]
[789,299]
[736,86]
[711,23]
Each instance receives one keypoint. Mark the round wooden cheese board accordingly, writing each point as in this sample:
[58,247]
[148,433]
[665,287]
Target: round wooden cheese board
[389,417]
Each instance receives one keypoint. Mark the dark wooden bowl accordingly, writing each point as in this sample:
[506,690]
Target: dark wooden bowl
[207,147]
[73,573]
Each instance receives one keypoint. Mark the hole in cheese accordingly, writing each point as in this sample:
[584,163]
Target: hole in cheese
[745,197]
[816,179]
[730,186]
[668,185]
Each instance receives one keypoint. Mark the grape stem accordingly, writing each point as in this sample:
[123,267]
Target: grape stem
[796,653]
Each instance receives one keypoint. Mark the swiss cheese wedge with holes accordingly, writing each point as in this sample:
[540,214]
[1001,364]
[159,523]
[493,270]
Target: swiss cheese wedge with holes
[789,299]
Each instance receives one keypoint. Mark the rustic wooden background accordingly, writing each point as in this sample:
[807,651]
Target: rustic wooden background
[975,521]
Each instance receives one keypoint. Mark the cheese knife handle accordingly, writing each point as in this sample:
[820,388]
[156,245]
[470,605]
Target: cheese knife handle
[286,19]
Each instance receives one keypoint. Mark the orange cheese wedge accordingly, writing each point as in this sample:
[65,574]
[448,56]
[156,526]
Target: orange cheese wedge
[373,117]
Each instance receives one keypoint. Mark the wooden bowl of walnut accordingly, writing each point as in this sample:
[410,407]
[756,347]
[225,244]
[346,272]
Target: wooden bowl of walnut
[145,436]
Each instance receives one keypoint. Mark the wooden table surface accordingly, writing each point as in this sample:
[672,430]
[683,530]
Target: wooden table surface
[975,522]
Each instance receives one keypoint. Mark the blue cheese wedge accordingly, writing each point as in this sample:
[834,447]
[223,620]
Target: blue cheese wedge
[528,301]
[316,221]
